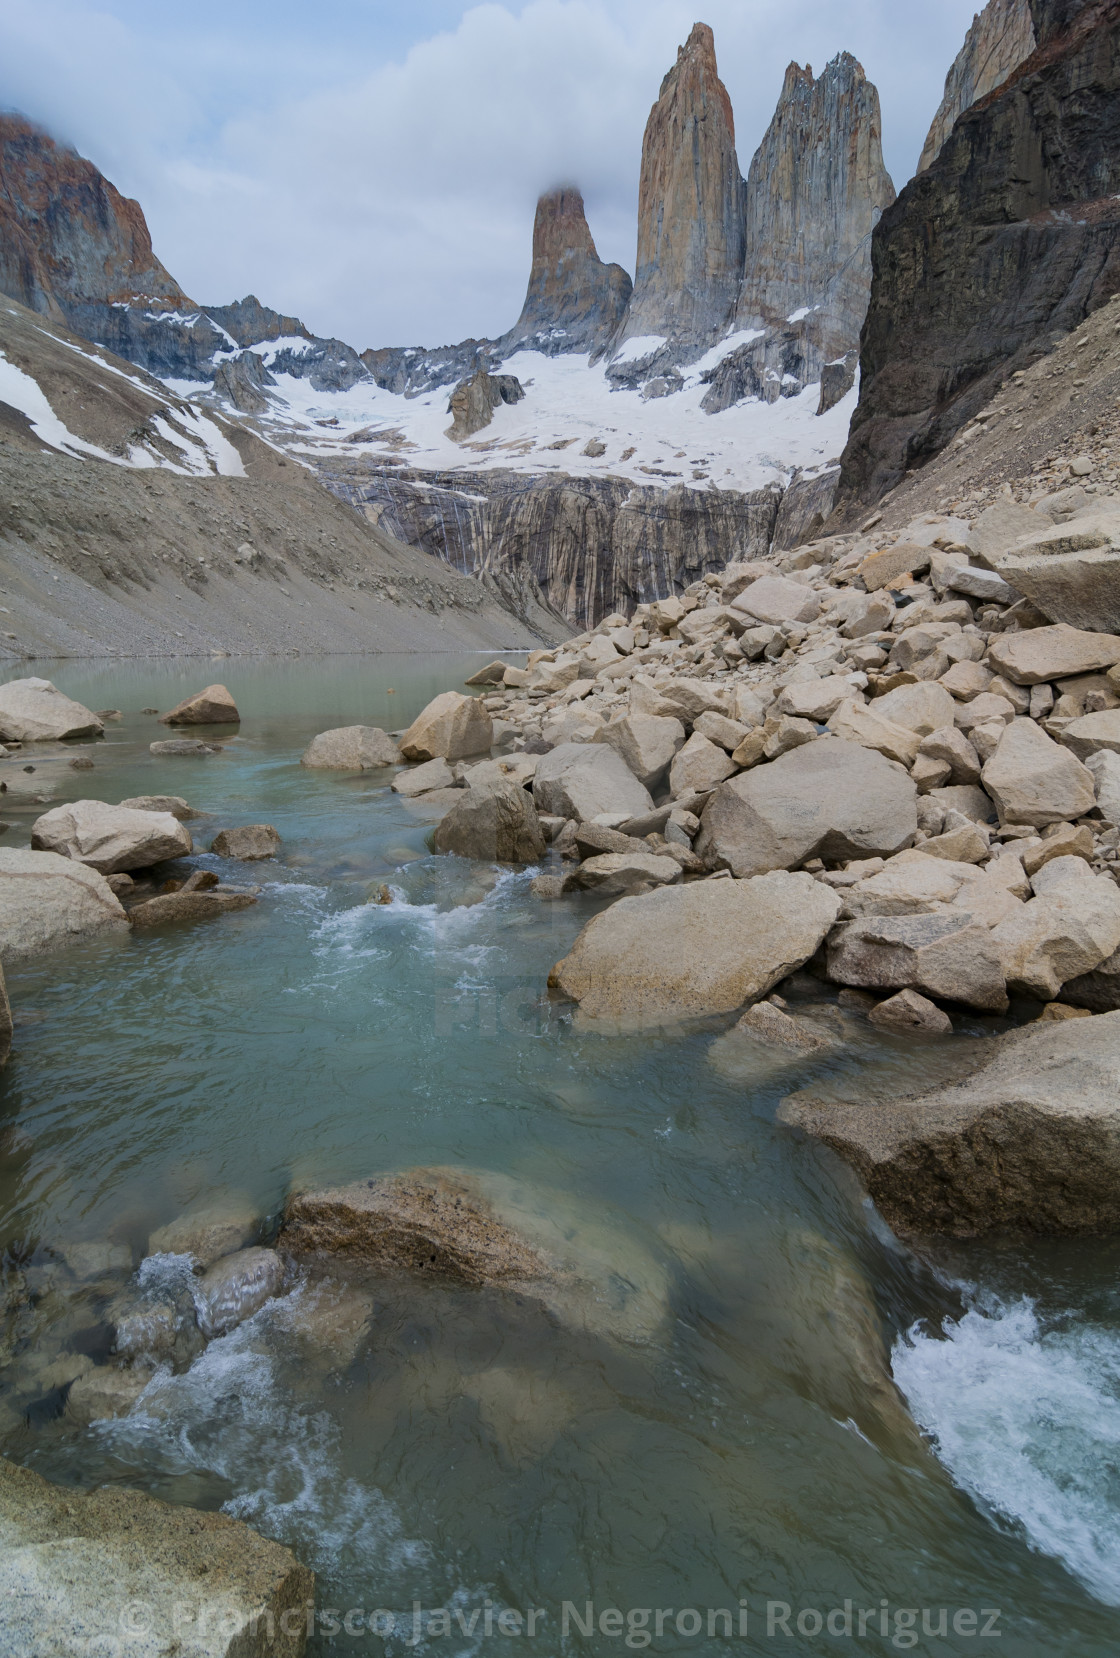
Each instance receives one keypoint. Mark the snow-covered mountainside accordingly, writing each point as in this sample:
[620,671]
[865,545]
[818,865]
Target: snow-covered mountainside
[571,420]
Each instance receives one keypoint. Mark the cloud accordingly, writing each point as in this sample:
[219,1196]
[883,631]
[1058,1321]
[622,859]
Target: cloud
[384,191]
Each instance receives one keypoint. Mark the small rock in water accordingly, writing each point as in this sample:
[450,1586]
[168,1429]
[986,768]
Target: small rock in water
[236,1287]
[149,710]
[81,764]
[910,1012]
[188,906]
[207,1234]
[108,713]
[184,745]
[105,1391]
[250,842]
[213,706]
[173,803]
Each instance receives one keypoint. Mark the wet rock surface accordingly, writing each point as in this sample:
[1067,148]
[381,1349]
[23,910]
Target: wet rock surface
[63,1547]
[1031,1141]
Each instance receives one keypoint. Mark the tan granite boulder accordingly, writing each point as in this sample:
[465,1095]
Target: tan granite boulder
[351,748]
[213,706]
[451,727]
[1029,1141]
[688,951]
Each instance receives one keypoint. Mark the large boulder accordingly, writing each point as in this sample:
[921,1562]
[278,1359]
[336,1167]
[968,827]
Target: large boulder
[646,742]
[47,900]
[1035,655]
[35,711]
[179,1579]
[945,955]
[1030,1141]
[688,951]
[498,824]
[827,799]
[1070,571]
[214,706]
[1065,933]
[1032,779]
[777,599]
[699,766]
[923,707]
[586,781]
[351,748]
[1097,733]
[451,727]
[110,838]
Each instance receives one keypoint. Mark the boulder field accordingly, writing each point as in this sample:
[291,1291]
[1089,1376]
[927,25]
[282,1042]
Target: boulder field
[870,756]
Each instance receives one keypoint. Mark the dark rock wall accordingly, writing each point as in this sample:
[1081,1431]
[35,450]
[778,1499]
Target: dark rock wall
[1010,236]
[998,41]
[592,545]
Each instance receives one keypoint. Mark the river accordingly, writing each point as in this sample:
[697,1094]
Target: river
[742,1464]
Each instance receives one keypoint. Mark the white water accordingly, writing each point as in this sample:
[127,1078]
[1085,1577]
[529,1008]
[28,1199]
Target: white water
[1027,1419]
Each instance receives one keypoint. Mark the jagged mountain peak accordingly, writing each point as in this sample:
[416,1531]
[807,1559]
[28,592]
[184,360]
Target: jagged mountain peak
[690,206]
[574,302]
[68,238]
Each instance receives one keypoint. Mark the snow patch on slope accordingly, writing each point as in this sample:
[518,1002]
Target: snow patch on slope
[659,441]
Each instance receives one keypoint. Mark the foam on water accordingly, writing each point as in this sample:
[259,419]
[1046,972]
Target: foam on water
[1027,1419]
[233,1415]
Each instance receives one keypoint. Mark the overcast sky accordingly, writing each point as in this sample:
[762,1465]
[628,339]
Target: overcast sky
[372,165]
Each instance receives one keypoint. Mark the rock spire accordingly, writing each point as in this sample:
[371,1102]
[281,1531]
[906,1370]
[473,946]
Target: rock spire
[814,192]
[690,206]
[574,302]
[999,39]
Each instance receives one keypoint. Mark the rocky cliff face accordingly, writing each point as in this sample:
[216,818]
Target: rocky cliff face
[690,209]
[574,302]
[76,250]
[590,545]
[815,191]
[1000,38]
[1010,237]
[68,240]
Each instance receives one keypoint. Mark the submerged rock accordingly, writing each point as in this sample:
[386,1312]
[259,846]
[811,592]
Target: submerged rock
[62,1551]
[206,1233]
[478,1229]
[1030,1141]
[104,1392]
[236,1287]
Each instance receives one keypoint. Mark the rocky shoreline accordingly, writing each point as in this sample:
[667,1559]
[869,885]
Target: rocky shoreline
[861,783]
